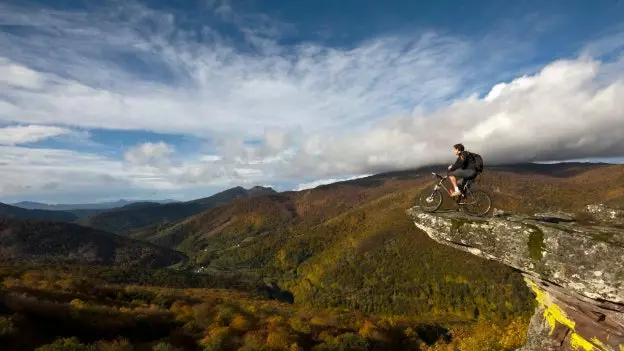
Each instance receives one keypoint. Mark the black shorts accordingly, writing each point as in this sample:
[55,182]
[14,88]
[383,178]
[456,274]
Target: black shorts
[463,173]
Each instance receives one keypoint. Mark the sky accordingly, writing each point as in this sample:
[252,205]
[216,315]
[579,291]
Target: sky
[102,100]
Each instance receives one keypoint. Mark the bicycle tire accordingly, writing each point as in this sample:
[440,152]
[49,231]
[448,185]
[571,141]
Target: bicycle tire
[481,197]
[435,200]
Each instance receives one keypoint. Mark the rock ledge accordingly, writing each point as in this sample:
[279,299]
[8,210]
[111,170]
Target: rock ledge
[576,271]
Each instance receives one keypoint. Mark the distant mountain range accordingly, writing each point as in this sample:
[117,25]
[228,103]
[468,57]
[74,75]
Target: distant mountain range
[260,216]
[47,241]
[61,235]
[137,215]
[30,205]
[9,211]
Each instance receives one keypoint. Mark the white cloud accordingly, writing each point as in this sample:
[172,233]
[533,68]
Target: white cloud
[34,170]
[315,183]
[149,154]
[561,112]
[17,76]
[213,88]
[27,171]
[15,135]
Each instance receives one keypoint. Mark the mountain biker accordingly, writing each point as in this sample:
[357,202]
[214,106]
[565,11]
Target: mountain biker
[463,168]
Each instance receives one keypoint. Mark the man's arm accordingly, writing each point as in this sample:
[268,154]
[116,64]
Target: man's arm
[461,162]
[458,164]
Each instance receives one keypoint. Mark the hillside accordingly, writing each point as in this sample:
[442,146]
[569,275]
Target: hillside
[28,240]
[350,244]
[78,308]
[361,276]
[31,205]
[8,211]
[143,214]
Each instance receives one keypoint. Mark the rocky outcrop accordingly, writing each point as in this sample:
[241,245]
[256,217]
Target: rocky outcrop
[576,271]
[606,215]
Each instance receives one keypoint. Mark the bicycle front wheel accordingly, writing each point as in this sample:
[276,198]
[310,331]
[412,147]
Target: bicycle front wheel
[430,200]
[477,203]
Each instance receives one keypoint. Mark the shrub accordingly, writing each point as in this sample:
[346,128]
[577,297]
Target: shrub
[351,342]
[279,339]
[6,326]
[241,323]
[66,344]
[300,325]
[115,345]
[164,346]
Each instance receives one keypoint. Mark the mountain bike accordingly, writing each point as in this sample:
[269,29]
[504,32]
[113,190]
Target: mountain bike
[474,202]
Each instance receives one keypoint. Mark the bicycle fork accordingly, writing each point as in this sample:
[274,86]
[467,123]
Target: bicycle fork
[430,197]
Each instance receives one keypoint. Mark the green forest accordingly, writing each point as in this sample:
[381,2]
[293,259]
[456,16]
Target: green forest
[78,308]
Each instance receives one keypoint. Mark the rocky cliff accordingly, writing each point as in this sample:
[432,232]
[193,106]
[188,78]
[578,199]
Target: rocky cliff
[575,270]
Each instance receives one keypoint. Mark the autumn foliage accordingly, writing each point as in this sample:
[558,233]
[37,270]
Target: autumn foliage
[60,310]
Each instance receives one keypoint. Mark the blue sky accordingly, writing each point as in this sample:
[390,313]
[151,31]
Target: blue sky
[146,99]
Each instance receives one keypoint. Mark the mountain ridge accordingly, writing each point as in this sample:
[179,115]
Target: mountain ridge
[134,216]
[35,240]
[10,211]
[34,205]
[350,245]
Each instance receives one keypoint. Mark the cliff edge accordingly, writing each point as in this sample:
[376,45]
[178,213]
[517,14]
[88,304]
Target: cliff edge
[576,270]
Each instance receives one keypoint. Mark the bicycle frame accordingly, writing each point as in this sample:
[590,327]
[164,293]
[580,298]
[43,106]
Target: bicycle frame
[440,184]
[432,201]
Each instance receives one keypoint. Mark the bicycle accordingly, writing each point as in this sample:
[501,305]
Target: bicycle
[430,202]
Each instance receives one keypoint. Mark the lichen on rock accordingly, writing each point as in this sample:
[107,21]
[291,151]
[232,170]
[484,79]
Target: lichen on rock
[605,214]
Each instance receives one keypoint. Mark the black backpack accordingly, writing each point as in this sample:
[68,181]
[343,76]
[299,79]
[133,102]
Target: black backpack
[478,162]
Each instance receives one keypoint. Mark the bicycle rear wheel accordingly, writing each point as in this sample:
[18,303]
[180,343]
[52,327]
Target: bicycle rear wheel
[477,203]
[430,200]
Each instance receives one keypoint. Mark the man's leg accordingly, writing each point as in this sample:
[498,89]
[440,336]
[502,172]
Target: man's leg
[453,178]
[462,174]
[453,181]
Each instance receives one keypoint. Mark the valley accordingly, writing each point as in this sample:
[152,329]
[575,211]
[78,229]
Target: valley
[344,255]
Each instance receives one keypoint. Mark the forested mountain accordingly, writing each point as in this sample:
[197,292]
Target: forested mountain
[143,214]
[8,211]
[350,244]
[361,276]
[30,240]
[32,205]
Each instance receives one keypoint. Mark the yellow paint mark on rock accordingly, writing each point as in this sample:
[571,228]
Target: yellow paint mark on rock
[578,343]
[553,314]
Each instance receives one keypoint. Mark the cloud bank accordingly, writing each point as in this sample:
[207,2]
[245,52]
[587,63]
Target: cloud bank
[270,112]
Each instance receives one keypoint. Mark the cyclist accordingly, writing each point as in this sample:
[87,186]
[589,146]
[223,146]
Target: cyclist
[463,168]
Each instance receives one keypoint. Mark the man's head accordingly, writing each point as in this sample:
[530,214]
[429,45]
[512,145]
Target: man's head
[458,148]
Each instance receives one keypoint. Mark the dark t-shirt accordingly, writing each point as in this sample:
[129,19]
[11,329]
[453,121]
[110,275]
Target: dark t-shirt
[464,161]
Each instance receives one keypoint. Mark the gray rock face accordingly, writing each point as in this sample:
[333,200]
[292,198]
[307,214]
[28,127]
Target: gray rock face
[576,271]
[606,215]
